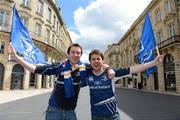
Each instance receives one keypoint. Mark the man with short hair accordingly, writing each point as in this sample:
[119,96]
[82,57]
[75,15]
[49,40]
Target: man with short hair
[71,76]
[102,97]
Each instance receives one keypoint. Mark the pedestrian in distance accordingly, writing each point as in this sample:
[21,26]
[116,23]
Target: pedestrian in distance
[71,75]
[102,97]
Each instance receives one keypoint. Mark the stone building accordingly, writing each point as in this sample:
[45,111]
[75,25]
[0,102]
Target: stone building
[44,21]
[165,18]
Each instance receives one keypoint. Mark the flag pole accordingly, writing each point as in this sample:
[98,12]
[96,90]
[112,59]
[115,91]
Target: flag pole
[157,50]
[9,55]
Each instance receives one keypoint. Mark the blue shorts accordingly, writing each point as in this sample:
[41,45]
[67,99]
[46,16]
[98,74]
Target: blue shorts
[54,113]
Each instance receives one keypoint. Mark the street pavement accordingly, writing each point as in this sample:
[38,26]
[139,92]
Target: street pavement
[32,104]
[12,95]
[83,106]
[134,105]
[143,105]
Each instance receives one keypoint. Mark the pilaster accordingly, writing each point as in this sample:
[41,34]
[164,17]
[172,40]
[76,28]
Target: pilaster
[39,81]
[47,81]
[7,76]
[161,77]
[26,79]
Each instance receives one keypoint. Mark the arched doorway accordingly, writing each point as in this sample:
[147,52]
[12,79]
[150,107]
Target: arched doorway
[17,77]
[1,75]
[169,73]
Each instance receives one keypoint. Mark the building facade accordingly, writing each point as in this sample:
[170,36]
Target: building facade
[43,20]
[165,18]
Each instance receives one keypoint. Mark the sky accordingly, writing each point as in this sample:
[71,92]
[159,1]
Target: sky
[94,24]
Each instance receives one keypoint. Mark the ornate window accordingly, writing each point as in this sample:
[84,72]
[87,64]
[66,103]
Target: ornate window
[40,7]
[25,3]
[4,19]
[47,35]
[158,15]
[25,21]
[159,36]
[54,23]
[168,6]
[171,30]
[38,29]
[49,14]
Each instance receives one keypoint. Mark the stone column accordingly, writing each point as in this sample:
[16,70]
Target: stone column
[47,82]
[161,77]
[138,77]
[150,82]
[177,69]
[177,76]
[7,76]
[126,83]
[39,81]
[51,81]
[26,79]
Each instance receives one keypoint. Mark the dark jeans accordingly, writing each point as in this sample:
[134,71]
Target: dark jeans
[54,113]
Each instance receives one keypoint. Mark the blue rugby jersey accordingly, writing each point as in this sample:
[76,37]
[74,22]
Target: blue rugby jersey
[57,98]
[102,97]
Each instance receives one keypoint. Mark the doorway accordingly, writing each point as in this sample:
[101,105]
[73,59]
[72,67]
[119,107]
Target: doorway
[17,77]
[169,73]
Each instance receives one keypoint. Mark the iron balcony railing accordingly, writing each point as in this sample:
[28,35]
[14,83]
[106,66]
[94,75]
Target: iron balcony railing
[169,41]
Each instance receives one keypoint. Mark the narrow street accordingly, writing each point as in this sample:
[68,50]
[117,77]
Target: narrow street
[133,105]
[142,105]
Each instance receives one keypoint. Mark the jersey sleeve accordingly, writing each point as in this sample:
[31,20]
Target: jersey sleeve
[49,69]
[84,82]
[121,71]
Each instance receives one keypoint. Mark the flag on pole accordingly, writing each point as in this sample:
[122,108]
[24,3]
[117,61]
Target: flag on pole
[22,42]
[147,45]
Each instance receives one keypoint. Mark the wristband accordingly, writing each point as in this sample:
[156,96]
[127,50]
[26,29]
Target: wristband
[108,68]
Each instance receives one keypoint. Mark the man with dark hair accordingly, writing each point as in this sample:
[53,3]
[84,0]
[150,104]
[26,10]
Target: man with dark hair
[71,76]
[102,97]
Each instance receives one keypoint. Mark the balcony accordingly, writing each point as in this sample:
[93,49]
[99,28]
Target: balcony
[169,41]
[49,43]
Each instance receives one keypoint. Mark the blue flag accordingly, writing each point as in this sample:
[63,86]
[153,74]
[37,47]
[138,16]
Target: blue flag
[22,42]
[147,45]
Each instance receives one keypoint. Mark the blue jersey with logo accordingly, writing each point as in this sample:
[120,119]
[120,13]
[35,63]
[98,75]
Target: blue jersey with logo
[102,97]
[57,98]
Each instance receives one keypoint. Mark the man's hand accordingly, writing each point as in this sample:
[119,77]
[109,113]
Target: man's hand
[11,51]
[111,73]
[159,59]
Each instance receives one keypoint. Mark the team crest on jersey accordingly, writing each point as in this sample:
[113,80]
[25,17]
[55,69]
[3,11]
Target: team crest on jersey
[104,78]
[97,82]
[91,79]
